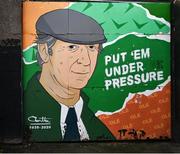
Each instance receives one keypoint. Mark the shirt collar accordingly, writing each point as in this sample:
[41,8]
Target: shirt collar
[78,108]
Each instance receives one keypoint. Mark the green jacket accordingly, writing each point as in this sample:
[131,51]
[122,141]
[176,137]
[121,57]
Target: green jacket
[42,116]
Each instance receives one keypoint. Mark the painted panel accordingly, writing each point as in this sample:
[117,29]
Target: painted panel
[96,71]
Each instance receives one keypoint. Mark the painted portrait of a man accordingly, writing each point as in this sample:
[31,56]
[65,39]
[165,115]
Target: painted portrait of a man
[67,53]
[96,71]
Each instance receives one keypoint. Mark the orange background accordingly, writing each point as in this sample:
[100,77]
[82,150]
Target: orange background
[31,12]
[152,114]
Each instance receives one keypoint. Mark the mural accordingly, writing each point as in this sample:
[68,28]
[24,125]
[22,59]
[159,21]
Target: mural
[96,71]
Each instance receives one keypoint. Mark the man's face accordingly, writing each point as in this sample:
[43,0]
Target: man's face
[72,64]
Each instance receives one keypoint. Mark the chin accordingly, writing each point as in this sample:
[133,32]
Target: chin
[78,84]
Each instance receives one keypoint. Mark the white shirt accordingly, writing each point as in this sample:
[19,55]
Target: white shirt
[78,108]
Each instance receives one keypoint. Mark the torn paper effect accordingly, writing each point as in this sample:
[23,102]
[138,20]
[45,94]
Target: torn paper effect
[131,95]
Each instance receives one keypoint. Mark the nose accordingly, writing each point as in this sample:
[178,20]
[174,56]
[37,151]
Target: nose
[84,57]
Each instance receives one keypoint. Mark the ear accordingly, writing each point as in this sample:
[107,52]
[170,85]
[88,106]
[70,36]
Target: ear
[43,52]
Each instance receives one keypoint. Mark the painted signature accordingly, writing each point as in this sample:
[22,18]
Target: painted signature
[39,120]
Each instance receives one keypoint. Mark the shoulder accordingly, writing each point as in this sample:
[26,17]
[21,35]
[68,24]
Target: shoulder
[32,93]
[97,130]
[36,98]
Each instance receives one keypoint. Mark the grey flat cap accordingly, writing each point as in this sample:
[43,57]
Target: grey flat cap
[70,26]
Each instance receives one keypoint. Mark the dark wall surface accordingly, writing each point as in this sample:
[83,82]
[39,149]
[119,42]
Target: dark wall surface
[10,67]
[176,66]
[11,128]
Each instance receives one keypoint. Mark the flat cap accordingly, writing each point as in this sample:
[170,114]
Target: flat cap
[70,26]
